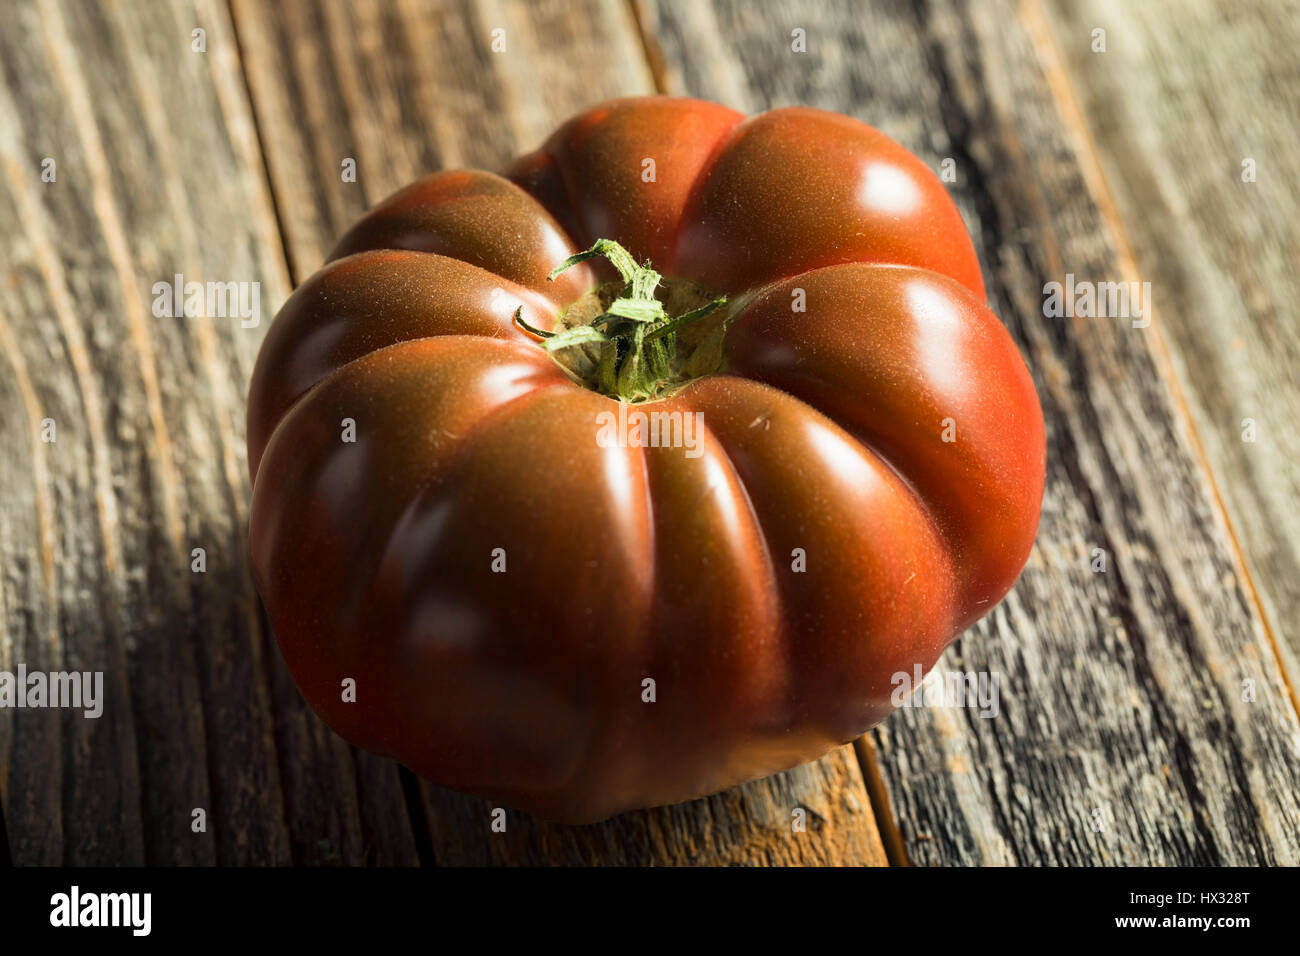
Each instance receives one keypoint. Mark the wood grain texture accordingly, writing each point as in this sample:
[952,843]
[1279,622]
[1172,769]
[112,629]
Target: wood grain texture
[815,815]
[1144,715]
[158,173]
[1123,734]
[1182,96]
[408,88]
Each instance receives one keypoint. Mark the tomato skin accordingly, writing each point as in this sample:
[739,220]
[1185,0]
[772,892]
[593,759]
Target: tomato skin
[475,217]
[846,193]
[601,161]
[820,538]
[926,351]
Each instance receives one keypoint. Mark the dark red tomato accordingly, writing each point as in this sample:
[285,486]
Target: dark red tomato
[450,517]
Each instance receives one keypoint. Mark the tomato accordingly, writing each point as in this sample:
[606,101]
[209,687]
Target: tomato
[635,533]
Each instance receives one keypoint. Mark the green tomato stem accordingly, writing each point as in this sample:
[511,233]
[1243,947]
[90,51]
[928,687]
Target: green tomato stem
[631,351]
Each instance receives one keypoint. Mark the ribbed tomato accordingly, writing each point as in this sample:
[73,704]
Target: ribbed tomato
[473,563]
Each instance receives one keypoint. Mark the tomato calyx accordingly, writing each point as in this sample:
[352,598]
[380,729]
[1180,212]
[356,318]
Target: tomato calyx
[620,340]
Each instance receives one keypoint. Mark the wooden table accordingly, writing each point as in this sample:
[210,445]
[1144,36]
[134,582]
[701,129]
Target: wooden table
[1148,711]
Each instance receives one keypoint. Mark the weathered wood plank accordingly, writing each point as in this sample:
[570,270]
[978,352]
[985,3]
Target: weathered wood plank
[750,825]
[1123,735]
[405,89]
[158,173]
[1182,97]
[409,87]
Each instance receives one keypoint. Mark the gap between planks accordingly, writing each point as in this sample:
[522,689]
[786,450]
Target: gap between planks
[654,56]
[290,266]
[419,824]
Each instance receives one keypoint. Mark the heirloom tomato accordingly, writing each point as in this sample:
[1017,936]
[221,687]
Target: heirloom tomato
[670,517]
